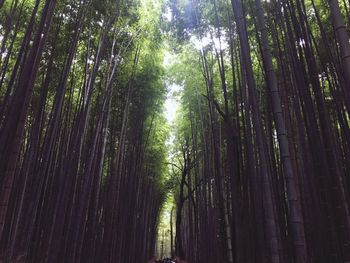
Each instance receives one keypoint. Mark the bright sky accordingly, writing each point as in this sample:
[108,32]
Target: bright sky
[208,40]
[168,15]
[171,103]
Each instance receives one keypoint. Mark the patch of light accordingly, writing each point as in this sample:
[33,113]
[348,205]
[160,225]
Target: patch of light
[200,43]
[100,23]
[168,15]
[168,58]
[171,104]
[220,46]
[302,42]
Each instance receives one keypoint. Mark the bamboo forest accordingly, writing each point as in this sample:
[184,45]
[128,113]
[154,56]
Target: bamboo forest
[175,131]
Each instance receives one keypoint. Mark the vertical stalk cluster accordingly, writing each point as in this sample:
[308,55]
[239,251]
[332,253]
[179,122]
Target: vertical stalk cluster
[79,97]
[266,96]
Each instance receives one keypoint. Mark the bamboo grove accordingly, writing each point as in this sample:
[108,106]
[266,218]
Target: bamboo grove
[262,147]
[81,163]
[259,164]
